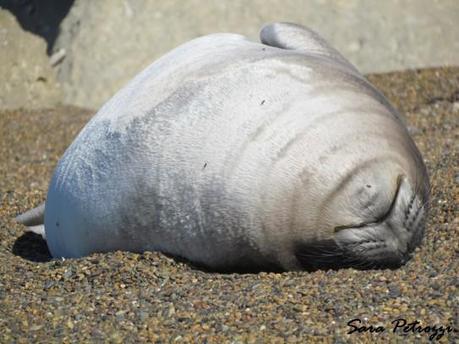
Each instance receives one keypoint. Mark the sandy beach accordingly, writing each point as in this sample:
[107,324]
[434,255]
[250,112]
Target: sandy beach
[124,297]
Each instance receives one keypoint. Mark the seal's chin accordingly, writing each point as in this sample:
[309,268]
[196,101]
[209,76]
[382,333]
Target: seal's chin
[386,243]
[372,247]
[364,253]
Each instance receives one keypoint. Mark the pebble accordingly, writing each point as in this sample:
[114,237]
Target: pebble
[394,291]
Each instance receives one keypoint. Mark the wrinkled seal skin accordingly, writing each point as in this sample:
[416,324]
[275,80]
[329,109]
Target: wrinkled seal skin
[241,155]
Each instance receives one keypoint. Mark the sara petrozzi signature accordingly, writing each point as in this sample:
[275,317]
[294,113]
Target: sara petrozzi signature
[402,326]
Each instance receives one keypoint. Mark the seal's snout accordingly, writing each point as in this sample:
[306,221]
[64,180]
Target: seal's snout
[390,241]
[387,242]
[407,219]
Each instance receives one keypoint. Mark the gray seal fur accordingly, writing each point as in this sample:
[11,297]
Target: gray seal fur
[235,154]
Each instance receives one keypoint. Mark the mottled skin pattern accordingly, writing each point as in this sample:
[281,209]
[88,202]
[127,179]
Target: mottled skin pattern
[242,155]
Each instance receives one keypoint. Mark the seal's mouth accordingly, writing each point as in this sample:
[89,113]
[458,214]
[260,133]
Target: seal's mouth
[386,242]
[328,254]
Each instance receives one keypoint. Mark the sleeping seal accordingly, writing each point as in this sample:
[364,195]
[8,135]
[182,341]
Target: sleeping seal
[242,155]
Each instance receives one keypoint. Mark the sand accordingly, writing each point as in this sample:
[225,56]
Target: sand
[126,297]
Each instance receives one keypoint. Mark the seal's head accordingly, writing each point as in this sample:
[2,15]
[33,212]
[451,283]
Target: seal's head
[376,215]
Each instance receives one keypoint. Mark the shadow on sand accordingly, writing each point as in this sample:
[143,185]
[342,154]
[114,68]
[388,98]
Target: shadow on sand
[41,17]
[32,247]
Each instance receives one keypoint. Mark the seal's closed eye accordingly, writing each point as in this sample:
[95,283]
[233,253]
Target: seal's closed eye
[380,218]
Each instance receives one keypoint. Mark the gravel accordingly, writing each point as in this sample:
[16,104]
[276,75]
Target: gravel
[125,297]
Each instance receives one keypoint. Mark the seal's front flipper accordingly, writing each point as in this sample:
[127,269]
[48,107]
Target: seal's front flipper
[40,230]
[34,219]
[296,37]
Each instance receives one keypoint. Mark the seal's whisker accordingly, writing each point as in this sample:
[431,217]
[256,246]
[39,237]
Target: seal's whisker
[426,203]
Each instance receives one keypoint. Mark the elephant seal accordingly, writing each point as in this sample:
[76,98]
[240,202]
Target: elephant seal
[236,155]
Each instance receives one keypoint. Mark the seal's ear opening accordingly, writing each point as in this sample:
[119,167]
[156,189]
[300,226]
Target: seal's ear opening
[328,255]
